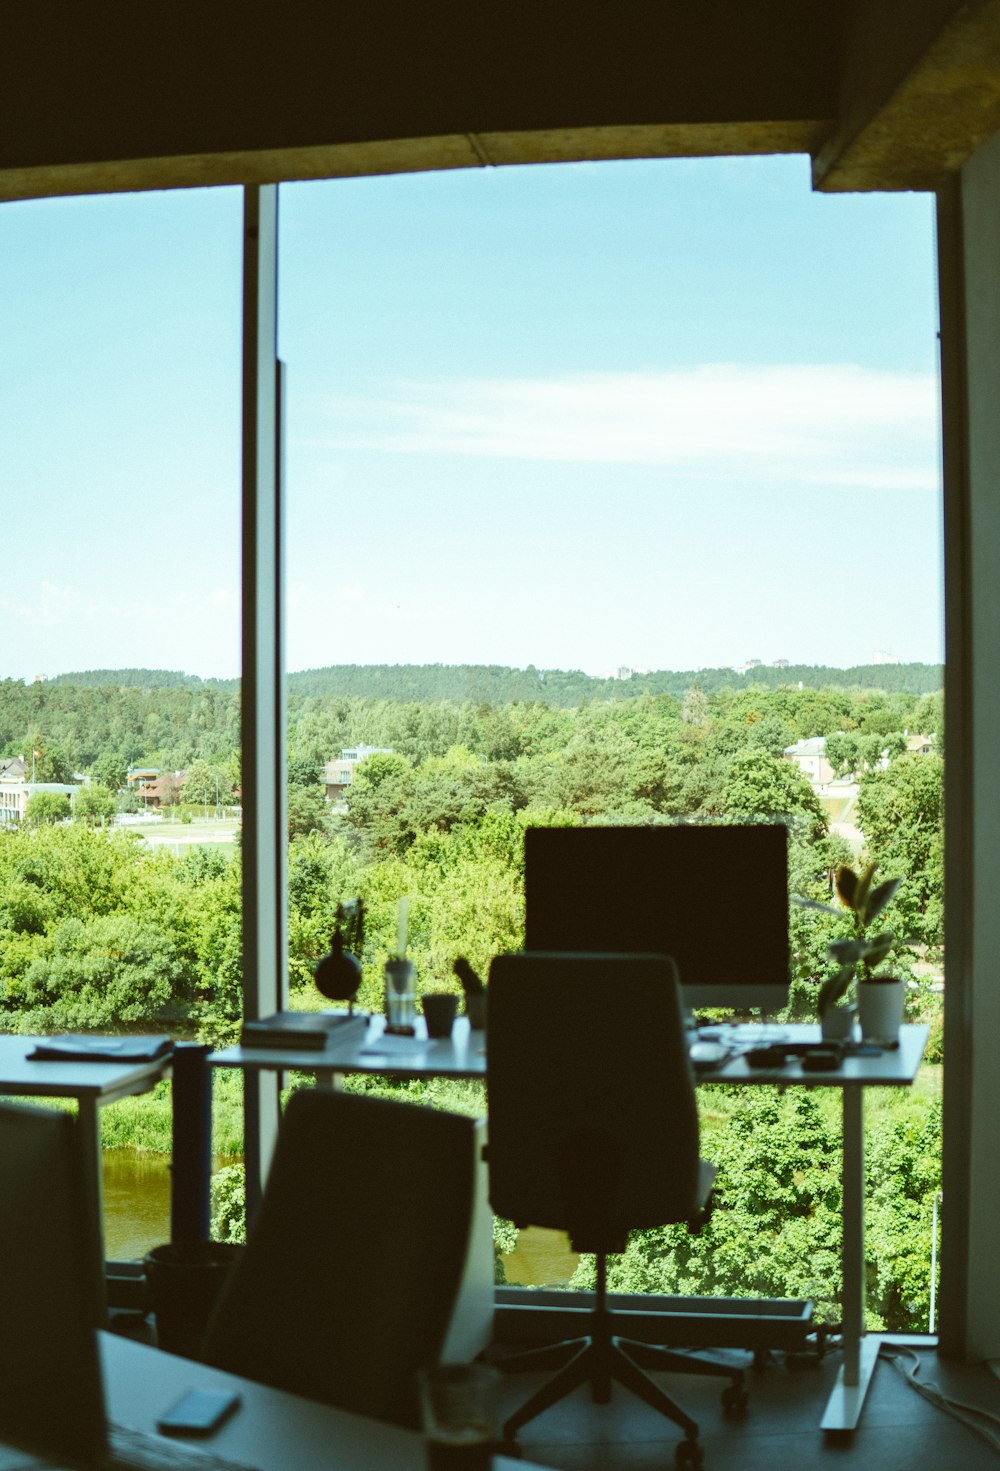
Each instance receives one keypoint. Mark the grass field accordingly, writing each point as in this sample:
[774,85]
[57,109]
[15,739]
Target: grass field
[180,837]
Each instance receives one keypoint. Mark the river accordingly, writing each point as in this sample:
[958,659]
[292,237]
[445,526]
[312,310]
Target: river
[137,1216]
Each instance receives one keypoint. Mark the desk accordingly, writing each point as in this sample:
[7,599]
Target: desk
[271,1430]
[91,1084]
[896,1069]
[463,1056]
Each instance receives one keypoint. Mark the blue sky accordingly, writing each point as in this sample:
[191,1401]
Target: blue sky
[668,414]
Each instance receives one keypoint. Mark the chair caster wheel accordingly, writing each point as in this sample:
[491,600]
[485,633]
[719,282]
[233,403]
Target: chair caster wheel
[689,1456]
[735,1400]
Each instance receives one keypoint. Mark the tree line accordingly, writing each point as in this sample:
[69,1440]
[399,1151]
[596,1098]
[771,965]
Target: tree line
[503,684]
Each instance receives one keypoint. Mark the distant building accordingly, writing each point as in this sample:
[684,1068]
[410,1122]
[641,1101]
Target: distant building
[339,775]
[15,794]
[881,657]
[779,663]
[809,756]
[156,788]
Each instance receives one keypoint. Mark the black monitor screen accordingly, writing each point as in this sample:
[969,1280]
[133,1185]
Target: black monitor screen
[715,898]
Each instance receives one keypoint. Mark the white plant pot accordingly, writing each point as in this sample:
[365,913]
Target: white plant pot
[837,1023]
[880,1010]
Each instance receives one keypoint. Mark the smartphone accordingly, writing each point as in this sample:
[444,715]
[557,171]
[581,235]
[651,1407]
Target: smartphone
[198,1412]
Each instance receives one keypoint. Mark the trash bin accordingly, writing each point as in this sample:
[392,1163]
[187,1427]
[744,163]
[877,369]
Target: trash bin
[183,1279]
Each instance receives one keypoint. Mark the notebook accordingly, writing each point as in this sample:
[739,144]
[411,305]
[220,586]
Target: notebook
[51,1389]
[90,1047]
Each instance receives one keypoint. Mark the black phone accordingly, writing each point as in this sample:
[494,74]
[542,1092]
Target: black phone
[773,1055]
[199,1412]
[823,1059]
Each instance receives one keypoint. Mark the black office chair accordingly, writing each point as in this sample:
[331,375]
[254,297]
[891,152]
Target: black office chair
[353,1266]
[593,1129]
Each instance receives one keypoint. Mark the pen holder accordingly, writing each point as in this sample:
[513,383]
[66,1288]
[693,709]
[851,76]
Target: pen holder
[400,996]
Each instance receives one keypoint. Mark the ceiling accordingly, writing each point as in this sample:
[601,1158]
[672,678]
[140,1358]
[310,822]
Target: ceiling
[883,94]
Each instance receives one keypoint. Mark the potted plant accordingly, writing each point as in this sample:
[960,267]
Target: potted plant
[880,996]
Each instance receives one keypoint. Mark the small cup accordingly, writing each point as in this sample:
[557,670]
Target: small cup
[457,1403]
[400,995]
[440,1008]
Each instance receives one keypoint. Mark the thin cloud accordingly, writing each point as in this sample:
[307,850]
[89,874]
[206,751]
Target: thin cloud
[831,424]
[50,606]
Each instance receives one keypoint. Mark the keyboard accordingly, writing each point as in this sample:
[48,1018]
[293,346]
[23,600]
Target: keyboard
[135,1450]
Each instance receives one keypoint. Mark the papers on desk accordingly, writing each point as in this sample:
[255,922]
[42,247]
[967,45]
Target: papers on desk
[85,1047]
[390,1045]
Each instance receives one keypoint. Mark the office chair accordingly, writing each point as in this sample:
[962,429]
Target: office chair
[593,1129]
[353,1265]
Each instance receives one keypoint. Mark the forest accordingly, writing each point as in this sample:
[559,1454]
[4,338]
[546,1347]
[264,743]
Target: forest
[98,930]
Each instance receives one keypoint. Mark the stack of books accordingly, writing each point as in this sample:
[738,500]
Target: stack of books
[303,1030]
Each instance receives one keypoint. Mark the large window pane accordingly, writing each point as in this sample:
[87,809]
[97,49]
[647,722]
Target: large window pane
[568,447]
[120,445]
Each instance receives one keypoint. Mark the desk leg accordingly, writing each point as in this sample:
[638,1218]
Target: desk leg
[89,1128]
[843,1410]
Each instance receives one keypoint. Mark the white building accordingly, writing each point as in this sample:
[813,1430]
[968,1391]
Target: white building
[339,775]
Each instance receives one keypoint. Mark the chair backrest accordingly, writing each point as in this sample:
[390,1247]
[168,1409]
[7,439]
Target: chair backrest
[351,1270]
[593,1123]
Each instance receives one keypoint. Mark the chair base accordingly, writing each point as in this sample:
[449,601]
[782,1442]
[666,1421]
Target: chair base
[602,1358]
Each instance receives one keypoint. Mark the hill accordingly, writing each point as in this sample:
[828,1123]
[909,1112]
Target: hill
[500,685]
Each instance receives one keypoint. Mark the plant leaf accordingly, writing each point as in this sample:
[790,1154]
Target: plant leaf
[846,952]
[834,988]
[846,882]
[879,897]
[877,949]
[861,892]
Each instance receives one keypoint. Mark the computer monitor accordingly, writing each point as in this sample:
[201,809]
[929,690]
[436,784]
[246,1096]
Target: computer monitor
[713,897]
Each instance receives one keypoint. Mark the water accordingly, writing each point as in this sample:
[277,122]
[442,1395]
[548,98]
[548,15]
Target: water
[542,1259]
[137,1217]
[136,1203]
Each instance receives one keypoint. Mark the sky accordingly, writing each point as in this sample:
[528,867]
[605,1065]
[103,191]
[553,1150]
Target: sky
[666,414]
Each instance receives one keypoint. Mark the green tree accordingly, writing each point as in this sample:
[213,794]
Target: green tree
[762,786]
[94,804]
[304,772]
[776,1227]
[109,769]
[48,760]
[46,807]
[901,813]
[307,811]
[203,784]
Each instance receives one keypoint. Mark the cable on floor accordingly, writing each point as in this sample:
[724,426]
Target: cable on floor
[969,1415]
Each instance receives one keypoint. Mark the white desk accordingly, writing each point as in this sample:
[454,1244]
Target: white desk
[464,1056]
[91,1084]
[271,1430]
[895,1069]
